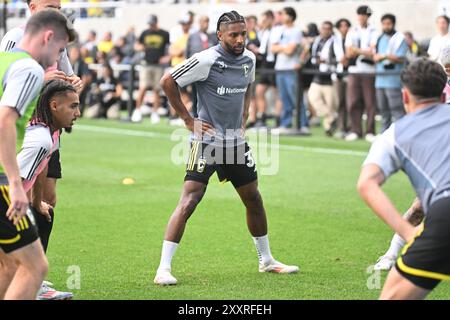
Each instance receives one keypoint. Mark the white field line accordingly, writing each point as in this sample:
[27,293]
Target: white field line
[152,134]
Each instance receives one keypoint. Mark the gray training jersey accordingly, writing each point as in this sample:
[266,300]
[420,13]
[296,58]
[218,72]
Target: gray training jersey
[419,144]
[221,79]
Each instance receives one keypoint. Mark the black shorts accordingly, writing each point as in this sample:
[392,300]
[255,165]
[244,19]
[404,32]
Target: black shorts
[235,164]
[54,166]
[267,76]
[426,261]
[15,237]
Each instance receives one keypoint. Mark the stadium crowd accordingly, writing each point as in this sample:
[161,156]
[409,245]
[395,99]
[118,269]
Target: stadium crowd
[334,74]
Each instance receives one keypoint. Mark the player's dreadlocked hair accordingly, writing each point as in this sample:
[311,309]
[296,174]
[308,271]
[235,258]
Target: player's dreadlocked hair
[52,88]
[229,18]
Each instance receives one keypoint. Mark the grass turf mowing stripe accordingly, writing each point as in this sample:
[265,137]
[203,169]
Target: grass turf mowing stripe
[151,134]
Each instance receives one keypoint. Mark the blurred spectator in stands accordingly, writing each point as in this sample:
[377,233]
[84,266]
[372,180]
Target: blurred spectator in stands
[197,42]
[106,44]
[201,39]
[321,93]
[414,49]
[115,60]
[275,35]
[154,43]
[445,61]
[178,46]
[252,43]
[130,40]
[177,52]
[340,82]
[441,40]
[287,49]
[85,55]
[310,33]
[102,57]
[390,56]
[361,87]
[177,31]
[108,92]
[91,45]
[94,11]
[119,45]
[80,68]
[267,74]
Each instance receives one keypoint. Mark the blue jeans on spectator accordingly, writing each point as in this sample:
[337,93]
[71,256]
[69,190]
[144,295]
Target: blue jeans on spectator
[287,84]
[304,122]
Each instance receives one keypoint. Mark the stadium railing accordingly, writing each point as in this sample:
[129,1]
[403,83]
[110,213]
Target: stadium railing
[134,68]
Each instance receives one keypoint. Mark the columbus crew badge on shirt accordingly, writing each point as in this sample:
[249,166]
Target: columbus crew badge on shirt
[201,164]
[245,68]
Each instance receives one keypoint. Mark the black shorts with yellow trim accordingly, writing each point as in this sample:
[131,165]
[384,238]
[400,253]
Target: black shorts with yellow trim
[14,237]
[426,260]
[235,164]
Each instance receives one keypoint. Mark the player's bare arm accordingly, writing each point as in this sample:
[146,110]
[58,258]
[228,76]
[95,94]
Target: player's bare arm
[19,200]
[369,187]
[197,126]
[247,100]
[37,193]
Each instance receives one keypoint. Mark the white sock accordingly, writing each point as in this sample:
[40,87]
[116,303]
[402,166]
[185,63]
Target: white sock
[167,253]
[397,244]
[263,249]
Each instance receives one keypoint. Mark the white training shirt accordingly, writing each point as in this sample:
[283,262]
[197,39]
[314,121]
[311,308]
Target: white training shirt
[13,37]
[437,43]
[21,84]
[38,145]
[363,38]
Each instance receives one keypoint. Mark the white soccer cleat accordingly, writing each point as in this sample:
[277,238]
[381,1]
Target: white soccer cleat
[48,283]
[48,293]
[371,137]
[176,122]
[351,137]
[155,118]
[277,267]
[145,110]
[164,278]
[385,263]
[136,116]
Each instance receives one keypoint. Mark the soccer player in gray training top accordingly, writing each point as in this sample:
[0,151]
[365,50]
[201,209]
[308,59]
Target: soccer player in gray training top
[222,75]
[419,145]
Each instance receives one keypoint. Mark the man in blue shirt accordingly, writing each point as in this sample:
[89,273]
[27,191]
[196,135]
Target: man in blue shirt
[391,49]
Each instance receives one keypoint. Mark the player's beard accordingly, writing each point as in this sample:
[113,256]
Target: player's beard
[68,129]
[232,49]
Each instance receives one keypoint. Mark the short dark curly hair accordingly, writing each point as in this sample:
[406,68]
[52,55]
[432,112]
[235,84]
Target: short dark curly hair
[229,18]
[51,89]
[424,78]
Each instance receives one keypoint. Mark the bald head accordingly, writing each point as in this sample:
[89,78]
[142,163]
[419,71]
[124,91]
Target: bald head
[39,5]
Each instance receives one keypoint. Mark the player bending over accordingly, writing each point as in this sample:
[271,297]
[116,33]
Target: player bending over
[22,75]
[419,145]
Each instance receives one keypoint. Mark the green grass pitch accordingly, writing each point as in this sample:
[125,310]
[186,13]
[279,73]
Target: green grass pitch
[113,232]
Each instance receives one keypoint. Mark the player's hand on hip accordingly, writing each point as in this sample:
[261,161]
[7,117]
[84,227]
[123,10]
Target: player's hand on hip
[19,203]
[410,232]
[55,75]
[199,127]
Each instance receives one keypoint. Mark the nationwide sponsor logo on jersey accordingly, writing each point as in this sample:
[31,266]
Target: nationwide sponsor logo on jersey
[223,90]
